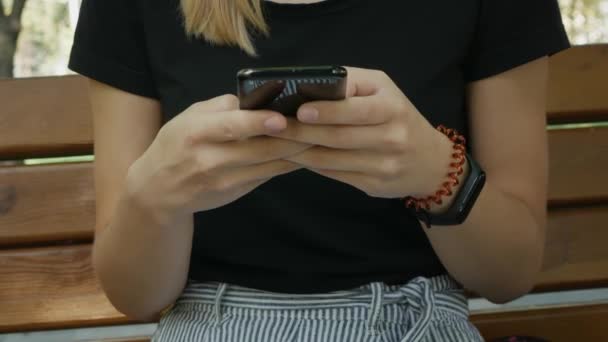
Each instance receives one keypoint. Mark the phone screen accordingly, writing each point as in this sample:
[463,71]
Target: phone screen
[285,89]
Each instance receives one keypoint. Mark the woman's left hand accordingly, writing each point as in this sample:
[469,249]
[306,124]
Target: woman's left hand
[375,140]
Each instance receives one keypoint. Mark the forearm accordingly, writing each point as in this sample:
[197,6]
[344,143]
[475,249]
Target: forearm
[142,264]
[497,252]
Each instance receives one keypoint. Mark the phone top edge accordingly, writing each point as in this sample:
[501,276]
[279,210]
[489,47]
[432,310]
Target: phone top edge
[287,71]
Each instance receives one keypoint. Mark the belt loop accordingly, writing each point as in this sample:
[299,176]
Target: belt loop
[375,308]
[427,306]
[218,302]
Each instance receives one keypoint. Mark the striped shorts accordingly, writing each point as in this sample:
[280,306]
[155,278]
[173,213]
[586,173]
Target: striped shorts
[424,309]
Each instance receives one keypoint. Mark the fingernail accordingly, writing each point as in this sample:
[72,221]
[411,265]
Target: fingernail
[308,114]
[275,123]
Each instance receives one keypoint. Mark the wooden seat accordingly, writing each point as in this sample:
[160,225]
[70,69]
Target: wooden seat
[47,211]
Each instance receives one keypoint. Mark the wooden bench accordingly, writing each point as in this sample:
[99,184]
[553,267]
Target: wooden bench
[47,211]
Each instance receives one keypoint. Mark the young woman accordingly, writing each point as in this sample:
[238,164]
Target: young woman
[244,225]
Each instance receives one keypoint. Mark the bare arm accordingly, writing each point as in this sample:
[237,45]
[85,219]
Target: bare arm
[498,251]
[151,180]
[141,263]
[377,141]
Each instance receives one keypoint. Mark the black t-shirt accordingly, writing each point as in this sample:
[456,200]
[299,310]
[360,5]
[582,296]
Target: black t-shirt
[302,232]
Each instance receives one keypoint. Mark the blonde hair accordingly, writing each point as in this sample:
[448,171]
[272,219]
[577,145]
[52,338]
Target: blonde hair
[224,22]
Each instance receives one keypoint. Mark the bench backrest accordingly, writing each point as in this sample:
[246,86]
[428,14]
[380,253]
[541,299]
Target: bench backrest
[47,211]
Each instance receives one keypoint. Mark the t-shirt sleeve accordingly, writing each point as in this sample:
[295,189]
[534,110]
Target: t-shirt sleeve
[109,46]
[514,32]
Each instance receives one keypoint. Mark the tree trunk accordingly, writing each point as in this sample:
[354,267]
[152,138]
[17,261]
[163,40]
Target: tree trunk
[8,45]
[10,27]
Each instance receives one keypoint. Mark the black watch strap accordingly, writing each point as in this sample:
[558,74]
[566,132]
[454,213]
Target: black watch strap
[466,197]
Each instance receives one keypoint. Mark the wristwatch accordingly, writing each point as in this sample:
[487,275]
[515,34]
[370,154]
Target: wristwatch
[459,210]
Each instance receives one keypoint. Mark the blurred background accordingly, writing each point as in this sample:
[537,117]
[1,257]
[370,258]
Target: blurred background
[36,35]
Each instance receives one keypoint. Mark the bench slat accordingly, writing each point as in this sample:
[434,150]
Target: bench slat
[52,287]
[578,164]
[564,324]
[577,84]
[51,116]
[46,116]
[576,255]
[46,203]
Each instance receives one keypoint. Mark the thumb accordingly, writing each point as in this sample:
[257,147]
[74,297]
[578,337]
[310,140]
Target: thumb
[362,82]
[235,125]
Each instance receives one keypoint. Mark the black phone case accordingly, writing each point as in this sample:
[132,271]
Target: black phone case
[285,89]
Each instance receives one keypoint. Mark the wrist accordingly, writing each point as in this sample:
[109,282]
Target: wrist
[447,167]
[142,196]
[448,200]
[437,172]
[158,213]
[435,164]
[464,198]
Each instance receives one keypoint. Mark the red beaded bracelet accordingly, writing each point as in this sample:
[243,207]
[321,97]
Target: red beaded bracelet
[459,158]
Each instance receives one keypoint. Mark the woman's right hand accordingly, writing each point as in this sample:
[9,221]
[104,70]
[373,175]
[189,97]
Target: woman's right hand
[208,156]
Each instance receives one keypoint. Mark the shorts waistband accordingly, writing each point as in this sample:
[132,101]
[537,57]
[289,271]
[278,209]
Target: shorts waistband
[424,298]
[234,295]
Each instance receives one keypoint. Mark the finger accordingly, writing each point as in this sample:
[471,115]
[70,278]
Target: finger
[324,158]
[363,82]
[256,151]
[367,110]
[338,137]
[238,177]
[220,103]
[233,125]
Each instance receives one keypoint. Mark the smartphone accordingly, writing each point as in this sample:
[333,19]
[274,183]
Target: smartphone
[285,89]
